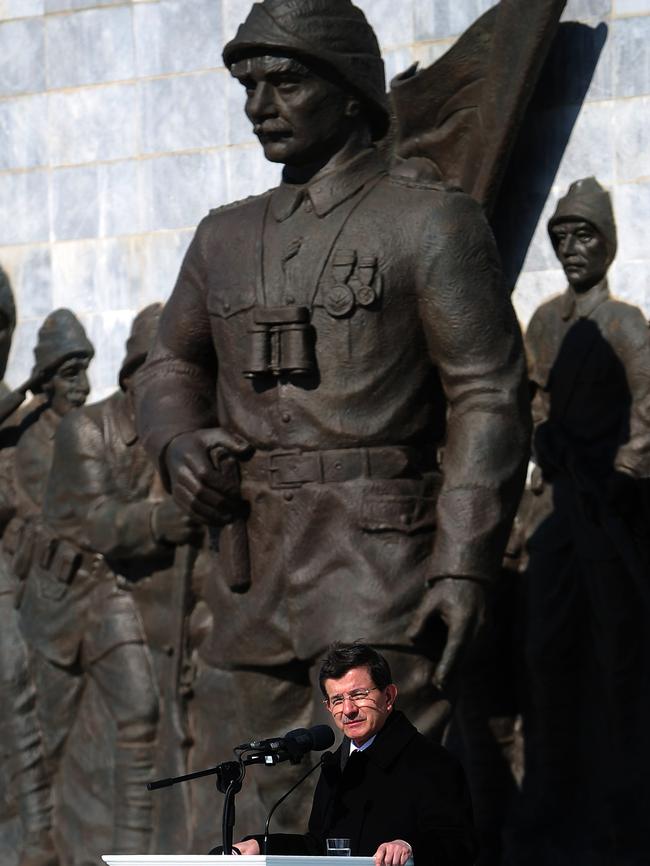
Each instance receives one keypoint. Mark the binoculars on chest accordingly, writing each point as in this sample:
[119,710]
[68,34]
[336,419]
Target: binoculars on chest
[281,341]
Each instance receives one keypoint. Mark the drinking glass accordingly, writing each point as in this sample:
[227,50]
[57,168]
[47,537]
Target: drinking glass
[338,848]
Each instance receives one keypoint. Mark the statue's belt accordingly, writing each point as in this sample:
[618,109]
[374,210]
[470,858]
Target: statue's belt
[293,468]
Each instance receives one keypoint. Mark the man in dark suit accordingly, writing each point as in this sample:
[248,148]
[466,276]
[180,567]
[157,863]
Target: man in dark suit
[392,792]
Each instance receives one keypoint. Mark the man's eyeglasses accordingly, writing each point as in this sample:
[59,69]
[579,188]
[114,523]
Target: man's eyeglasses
[335,703]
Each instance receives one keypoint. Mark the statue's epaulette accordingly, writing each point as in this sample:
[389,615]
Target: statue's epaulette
[233,204]
[419,173]
[416,183]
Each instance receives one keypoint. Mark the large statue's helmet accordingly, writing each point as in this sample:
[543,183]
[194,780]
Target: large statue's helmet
[587,200]
[332,34]
[61,336]
[143,333]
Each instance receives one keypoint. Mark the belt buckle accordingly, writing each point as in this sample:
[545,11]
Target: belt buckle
[287,469]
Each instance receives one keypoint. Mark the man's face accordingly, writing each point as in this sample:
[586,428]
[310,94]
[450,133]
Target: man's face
[358,715]
[68,386]
[582,252]
[298,117]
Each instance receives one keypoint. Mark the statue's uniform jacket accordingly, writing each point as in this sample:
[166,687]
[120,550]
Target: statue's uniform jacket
[436,358]
[590,360]
[27,451]
[97,506]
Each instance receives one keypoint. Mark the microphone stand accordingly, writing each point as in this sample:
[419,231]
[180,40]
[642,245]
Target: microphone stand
[230,777]
[320,763]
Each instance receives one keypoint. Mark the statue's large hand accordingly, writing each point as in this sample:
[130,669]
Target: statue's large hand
[460,604]
[208,492]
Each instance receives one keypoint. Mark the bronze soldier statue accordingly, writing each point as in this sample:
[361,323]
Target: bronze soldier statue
[323,342]
[101,530]
[62,355]
[590,368]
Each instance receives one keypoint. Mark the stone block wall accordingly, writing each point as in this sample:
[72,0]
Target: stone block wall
[120,128]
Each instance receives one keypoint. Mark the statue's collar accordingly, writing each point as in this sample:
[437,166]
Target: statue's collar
[581,306]
[329,189]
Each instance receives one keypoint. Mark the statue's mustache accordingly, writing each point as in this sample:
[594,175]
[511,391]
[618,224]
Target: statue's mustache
[271,128]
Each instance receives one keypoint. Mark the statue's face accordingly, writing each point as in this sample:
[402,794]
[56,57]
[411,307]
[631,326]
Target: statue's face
[68,386]
[582,251]
[299,117]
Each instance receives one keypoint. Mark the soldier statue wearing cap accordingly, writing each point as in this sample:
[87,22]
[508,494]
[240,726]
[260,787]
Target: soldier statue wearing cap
[103,526]
[325,339]
[59,383]
[590,368]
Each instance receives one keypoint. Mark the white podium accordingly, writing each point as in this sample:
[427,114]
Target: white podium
[243,860]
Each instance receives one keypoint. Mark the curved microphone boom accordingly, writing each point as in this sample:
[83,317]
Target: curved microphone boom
[325,759]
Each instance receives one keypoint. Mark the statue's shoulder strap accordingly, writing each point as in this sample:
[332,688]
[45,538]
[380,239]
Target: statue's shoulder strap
[249,201]
[419,173]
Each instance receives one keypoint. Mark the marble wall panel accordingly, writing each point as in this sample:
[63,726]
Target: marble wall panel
[631,37]
[398,60]
[29,269]
[108,333]
[23,136]
[393,23]
[93,276]
[119,199]
[71,5]
[21,359]
[632,7]
[92,46]
[631,282]
[248,173]
[162,254]
[24,208]
[446,17]
[179,190]
[20,9]
[234,12]
[75,203]
[22,49]
[184,112]
[93,123]
[632,206]
[632,126]
[535,287]
[586,10]
[177,36]
[590,148]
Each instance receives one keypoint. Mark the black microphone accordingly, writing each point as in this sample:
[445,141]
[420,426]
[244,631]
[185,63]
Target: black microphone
[314,739]
[295,743]
[326,759]
[259,745]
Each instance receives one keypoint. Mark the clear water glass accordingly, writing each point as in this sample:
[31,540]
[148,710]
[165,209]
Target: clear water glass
[338,848]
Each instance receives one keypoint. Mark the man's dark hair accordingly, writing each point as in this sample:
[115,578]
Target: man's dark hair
[343,657]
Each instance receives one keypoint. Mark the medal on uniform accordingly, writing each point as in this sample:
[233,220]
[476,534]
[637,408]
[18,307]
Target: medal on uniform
[338,299]
[364,291]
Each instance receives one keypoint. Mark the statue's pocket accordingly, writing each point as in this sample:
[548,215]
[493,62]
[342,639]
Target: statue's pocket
[225,302]
[55,573]
[406,515]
